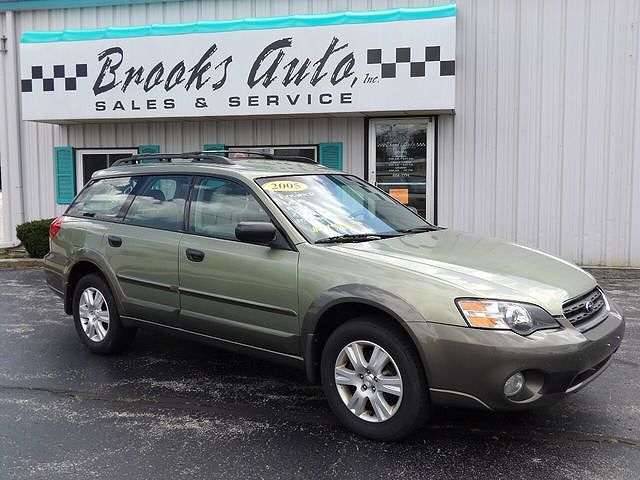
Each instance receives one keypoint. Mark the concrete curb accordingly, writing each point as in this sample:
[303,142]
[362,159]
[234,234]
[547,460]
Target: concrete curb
[20,262]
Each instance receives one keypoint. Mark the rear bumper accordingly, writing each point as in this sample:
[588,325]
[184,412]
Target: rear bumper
[53,275]
[468,367]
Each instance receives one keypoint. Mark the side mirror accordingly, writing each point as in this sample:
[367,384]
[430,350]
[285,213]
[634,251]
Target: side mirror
[256,232]
[413,209]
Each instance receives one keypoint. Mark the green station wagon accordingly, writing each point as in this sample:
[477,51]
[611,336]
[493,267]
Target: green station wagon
[292,261]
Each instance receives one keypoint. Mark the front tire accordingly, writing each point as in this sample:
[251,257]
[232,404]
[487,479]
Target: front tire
[374,380]
[96,318]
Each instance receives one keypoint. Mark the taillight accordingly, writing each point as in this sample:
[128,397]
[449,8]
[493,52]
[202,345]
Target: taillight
[55,226]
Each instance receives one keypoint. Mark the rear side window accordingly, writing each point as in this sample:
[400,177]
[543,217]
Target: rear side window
[160,202]
[104,198]
[218,205]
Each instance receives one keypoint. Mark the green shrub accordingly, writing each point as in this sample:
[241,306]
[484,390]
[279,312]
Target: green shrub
[35,237]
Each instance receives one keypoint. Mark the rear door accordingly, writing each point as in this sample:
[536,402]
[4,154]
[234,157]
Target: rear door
[233,290]
[143,249]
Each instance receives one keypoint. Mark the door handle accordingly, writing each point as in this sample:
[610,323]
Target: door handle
[114,241]
[195,255]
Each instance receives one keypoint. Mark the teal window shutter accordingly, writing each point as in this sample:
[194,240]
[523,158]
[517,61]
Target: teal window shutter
[331,155]
[213,146]
[149,149]
[65,171]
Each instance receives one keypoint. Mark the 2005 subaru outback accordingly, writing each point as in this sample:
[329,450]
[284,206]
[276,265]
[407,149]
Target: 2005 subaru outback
[291,260]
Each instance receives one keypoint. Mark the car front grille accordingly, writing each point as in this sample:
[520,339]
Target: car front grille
[586,311]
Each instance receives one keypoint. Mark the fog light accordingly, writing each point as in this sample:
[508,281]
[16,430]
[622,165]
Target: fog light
[514,384]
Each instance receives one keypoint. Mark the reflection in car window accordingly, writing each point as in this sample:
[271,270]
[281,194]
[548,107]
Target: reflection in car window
[324,206]
[218,205]
[160,203]
[104,198]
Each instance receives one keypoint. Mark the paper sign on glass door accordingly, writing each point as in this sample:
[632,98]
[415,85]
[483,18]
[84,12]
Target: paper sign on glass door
[400,194]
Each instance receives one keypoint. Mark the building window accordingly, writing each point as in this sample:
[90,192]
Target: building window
[89,161]
[309,151]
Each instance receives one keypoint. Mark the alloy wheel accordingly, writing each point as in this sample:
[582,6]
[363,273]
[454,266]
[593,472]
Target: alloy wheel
[368,381]
[94,314]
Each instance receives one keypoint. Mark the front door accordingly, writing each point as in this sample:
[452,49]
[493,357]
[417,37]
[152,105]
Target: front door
[229,289]
[401,161]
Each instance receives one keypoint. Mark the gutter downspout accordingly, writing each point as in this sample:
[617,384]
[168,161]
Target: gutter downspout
[10,135]
[5,234]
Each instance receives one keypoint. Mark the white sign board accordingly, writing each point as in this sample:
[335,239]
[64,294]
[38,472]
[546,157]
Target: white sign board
[388,66]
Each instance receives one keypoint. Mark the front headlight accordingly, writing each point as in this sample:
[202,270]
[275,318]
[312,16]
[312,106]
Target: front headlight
[498,315]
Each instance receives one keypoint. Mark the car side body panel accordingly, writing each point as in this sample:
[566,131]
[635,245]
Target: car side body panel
[146,269]
[394,307]
[323,268]
[79,241]
[245,293]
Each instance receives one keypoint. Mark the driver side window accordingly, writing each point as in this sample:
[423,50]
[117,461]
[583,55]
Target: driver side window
[218,205]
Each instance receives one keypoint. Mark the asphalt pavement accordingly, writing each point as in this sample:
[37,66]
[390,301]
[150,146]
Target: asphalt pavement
[168,408]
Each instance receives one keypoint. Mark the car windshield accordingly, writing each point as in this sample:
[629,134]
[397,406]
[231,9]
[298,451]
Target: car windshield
[327,208]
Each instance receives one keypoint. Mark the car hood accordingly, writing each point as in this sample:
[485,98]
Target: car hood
[482,266]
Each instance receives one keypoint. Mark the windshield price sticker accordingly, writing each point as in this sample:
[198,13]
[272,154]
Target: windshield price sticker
[285,186]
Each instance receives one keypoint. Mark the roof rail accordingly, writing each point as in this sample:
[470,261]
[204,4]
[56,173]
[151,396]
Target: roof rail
[195,157]
[253,153]
[206,156]
[245,152]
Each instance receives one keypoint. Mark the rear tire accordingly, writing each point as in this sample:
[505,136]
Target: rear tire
[374,380]
[96,318]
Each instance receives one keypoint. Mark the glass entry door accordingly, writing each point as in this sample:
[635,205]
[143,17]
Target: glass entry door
[401,161]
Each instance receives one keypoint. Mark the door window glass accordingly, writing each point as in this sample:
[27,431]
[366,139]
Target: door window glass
[160,203]
[218,205]
[104,198]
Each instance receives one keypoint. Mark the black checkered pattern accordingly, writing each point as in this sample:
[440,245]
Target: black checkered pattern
[417,66]
[70,77]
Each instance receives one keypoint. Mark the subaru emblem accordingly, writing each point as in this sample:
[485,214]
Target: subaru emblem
[589,306]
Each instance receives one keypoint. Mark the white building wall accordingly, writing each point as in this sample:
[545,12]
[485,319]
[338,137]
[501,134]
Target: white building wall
[547,116]
[544,148]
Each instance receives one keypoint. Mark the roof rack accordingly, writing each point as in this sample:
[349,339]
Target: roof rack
[246,152]
[206,156]
[194,157]
[268,156]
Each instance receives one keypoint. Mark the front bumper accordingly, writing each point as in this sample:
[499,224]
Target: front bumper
[468,367]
